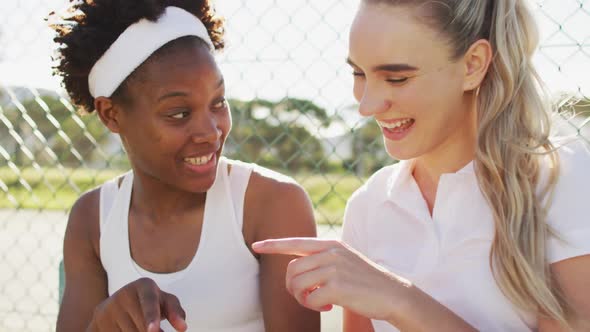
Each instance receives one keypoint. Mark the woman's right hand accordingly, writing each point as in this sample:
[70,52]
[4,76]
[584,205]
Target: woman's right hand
[139,306]
[330,272]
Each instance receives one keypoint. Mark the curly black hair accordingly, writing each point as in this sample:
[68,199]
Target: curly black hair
[93,25]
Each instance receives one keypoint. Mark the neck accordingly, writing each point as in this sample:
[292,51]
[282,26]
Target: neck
[448,157]
[160,202]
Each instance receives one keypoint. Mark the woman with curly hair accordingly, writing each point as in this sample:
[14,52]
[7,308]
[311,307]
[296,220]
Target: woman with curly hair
[484,223]
[166,245]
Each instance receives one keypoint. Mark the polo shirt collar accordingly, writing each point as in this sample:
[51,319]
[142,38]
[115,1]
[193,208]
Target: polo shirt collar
[403,190]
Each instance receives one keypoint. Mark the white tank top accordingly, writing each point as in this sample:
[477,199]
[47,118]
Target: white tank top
[219,289]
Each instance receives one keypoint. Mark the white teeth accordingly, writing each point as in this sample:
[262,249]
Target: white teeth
[199,160]
[393,125]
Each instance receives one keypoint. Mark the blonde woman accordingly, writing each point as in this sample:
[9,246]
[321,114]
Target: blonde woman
[484,224]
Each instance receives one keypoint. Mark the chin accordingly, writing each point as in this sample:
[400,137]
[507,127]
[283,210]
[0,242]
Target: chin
[400,152]
[201,185]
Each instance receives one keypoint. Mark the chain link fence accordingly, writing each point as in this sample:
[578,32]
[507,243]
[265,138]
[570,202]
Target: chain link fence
[293,111]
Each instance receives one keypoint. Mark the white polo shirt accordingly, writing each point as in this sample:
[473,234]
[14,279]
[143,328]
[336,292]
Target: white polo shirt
[447,254]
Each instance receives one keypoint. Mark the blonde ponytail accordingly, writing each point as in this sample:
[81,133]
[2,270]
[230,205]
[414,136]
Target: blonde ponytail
[513,141]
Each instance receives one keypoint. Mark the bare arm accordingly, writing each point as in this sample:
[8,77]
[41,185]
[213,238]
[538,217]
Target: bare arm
[86,283]
[353,322]
[418,311]
[282,209]
[572,277]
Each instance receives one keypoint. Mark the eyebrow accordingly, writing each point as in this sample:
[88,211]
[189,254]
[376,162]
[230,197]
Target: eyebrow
[221,82]
[184,94]
[390,67]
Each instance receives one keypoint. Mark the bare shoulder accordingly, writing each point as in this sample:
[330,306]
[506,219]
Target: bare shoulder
[86,205]
[267,182]
[83,221]
[271,190]
[279,205]
[85,278]
[84,218]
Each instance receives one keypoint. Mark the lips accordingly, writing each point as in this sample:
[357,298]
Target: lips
[396,129]
[199,160]
[396,124]
[201,164]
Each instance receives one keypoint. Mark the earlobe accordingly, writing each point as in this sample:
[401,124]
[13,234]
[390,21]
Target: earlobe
[108,113]
[477,61]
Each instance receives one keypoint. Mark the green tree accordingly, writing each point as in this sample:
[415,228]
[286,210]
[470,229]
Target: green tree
[277,134]
[53,133]
[367,150]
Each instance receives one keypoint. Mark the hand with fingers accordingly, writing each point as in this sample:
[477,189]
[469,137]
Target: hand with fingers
[138,307]
[331,273]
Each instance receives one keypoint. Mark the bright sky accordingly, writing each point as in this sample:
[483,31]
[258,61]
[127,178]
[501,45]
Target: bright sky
[279,48]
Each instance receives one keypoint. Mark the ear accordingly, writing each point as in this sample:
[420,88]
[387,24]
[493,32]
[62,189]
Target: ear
[108,113]
[477,61]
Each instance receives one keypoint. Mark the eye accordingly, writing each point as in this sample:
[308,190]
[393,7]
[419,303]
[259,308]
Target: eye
[220,104]
[358,74]
[397,80]
[180,114]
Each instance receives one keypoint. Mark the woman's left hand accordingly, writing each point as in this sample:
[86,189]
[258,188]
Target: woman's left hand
[331,273]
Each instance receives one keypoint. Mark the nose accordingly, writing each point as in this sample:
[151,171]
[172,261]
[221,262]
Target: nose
[372,103]
[204,128]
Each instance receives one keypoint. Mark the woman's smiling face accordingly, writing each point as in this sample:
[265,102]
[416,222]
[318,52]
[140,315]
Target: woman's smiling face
[405,77]
[177,118]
